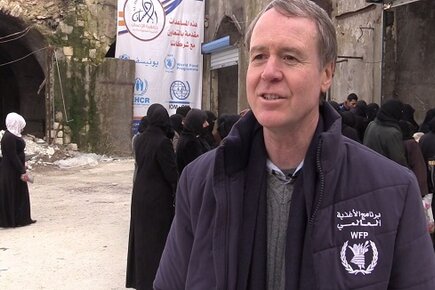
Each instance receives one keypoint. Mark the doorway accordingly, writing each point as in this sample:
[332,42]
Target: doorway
[23,52]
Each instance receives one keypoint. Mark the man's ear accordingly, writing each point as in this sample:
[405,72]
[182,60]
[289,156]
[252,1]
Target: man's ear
[327,75]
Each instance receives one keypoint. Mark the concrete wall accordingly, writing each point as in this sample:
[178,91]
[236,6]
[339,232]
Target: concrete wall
[114,82]
[403,68]
[410,59]
[359,37]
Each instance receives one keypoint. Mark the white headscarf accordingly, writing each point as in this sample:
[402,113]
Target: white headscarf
[15,123]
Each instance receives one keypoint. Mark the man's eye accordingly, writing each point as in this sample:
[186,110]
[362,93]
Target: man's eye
[258,57]
[289,58]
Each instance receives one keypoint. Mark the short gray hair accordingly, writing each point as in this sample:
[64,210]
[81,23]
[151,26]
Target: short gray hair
[326,40]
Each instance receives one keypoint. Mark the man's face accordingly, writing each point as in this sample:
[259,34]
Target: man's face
[284,77]
[350,104]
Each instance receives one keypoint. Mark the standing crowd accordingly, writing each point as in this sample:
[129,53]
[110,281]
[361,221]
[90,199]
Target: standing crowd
[163,147]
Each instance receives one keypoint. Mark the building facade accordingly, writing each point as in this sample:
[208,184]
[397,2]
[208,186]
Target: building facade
[57,67]
[380,53]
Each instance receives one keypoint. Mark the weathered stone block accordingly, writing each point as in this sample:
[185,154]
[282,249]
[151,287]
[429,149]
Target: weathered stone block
[68,51]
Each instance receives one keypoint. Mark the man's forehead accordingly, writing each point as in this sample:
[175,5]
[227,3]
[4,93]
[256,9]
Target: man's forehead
[287,25]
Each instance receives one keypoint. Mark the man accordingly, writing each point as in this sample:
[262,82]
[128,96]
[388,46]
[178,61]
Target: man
[287,202]
[349,103]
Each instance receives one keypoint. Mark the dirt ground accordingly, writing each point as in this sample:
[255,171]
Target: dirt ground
[80,238]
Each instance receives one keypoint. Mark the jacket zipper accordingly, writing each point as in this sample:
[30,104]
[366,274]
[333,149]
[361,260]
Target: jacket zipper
[322,183]
[227,218]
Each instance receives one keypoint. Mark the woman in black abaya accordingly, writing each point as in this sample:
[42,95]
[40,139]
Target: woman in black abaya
[152,205]
[14,193]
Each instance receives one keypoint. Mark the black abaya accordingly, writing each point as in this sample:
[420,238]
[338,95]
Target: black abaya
[152,207]
[14,193]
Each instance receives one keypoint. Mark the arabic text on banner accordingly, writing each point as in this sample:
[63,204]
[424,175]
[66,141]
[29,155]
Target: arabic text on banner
[164,39]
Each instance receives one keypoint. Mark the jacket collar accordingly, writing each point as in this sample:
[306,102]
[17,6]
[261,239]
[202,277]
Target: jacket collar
[331,137]
[237,145]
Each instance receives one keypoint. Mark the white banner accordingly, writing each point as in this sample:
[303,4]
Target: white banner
[164,39]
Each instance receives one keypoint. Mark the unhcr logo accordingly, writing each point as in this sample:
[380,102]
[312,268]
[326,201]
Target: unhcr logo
[140,86]
[144,19]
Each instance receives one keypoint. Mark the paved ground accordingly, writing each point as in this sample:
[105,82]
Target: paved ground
[81,235]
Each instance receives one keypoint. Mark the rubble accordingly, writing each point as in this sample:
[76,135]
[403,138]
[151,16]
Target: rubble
[81,159]
[39,154]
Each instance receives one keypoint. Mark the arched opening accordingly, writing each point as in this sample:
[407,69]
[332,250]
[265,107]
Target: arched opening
[22,73]
[228,75]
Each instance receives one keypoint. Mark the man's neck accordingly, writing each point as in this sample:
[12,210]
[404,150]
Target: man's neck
[287,150]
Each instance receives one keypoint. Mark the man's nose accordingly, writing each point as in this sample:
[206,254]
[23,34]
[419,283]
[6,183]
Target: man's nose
[272,69]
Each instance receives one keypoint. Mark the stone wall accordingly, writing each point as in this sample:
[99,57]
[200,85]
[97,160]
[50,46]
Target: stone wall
[359,36]
[80,33]
[396,46]
[410,59]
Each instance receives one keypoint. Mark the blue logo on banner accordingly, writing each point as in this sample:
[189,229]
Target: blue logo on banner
[179,90]
[170,5]
[170,62]
[141,101]
[140,86]
[124,56]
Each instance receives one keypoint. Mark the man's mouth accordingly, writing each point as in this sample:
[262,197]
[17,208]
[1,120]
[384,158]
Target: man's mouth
[270,97]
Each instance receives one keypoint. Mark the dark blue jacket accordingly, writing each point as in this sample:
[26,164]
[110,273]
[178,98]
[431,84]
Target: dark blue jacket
[364,228]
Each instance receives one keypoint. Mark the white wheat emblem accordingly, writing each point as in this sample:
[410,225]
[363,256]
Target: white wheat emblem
[359,251]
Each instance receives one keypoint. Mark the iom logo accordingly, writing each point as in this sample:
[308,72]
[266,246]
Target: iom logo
[179,90]
[124,57]
[170,63]
[140,86]
[144,19]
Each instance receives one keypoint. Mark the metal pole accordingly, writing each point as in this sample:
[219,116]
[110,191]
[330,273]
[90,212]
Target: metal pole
[48,96]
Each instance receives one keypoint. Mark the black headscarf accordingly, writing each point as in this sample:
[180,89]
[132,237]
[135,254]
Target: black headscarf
[406,129]
[143,124]
[391,111]
[348,118]
[158,116]
[430,114]
[408,115]
[194,121]
[371,111]
[177,122]
[183,110]
[360,109]
[224,124]
[211,118]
